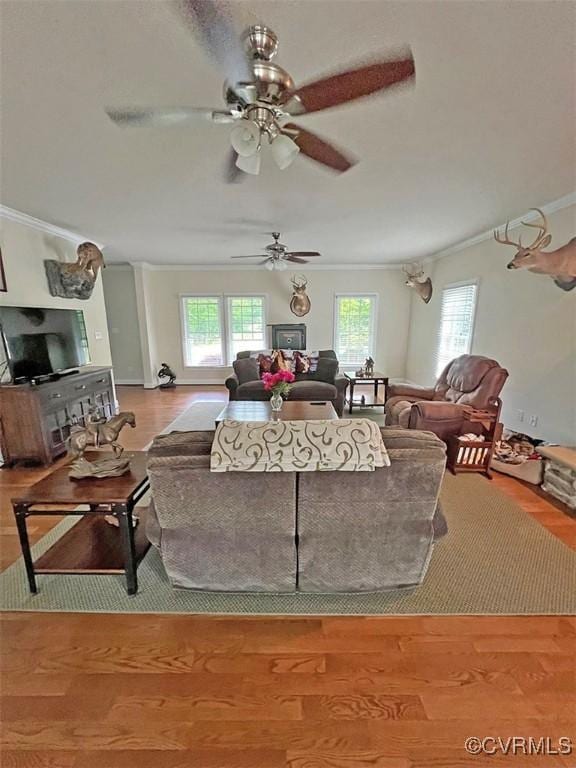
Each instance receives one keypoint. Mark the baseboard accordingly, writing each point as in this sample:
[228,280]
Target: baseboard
[129,382]
[199,382]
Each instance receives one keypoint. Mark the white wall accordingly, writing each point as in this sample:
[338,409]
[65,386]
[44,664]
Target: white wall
[158,291]
[24,249]
[123,329]
[523,320]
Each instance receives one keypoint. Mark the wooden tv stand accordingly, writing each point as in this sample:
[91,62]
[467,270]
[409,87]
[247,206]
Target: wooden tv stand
[35,419]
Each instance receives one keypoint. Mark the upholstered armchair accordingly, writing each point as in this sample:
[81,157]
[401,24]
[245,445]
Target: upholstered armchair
[469,380]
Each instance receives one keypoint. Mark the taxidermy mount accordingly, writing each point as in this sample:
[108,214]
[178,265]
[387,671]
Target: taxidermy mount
[300,301]
[77,280]
[560,264]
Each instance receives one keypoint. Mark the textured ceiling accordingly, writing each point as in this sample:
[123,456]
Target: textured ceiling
[487,132]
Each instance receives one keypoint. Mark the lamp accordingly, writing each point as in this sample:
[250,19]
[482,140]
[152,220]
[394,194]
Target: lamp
[284,151]
[249,164]
[245,138]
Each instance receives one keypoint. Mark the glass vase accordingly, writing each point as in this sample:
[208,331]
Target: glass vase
[276,402]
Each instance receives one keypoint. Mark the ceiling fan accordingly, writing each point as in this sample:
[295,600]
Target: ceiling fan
[261,97]
[277,255]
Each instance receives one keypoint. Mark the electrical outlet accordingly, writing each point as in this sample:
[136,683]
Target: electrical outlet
[533,421]
[520,415]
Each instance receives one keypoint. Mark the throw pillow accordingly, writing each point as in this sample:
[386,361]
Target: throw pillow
[264,363]
[246,369]
[280,361]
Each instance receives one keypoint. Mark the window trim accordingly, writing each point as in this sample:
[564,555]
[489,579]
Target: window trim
[474,281]
[374,322]
[223,314]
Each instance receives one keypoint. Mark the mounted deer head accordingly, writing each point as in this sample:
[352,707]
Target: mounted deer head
[299,303]
[559,264]
[414,274]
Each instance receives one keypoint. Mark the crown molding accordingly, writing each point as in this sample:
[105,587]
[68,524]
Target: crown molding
[249,268]
[555,205]
[44,226]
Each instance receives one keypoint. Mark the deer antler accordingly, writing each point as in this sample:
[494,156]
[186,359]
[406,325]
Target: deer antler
[542,227]
[506,240]
[413,270]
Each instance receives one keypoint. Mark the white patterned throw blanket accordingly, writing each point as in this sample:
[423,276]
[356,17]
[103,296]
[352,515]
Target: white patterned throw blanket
[343,445]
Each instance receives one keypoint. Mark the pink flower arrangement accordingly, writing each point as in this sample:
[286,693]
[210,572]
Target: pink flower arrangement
[278,383]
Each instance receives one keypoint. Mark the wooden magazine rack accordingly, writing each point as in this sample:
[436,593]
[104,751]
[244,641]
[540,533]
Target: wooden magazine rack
[476,455]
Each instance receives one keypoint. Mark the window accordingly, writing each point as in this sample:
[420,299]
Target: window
[215,328]
[354,327]
[246,324]
[456,323]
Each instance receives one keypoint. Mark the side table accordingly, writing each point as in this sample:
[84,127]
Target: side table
[92,545]
[376,379]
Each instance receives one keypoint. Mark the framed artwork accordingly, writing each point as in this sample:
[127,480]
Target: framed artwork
[3,286]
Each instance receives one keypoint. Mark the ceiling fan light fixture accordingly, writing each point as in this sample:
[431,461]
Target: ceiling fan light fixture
[269,265]
[284,151]
[281,265]
[249,164]
[245,138]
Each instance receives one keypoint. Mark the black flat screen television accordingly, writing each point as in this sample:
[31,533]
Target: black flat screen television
[39,342]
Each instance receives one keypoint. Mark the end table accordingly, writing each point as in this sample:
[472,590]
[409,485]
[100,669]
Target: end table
[92,545]
[374,378]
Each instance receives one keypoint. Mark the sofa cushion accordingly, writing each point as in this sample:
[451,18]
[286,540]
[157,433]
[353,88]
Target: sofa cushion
[300,390]
[252,390]
[326,370]
[312,390]
[246,369]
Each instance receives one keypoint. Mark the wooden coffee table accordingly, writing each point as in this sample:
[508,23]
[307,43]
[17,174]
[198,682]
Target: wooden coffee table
[92,545]
[292,410]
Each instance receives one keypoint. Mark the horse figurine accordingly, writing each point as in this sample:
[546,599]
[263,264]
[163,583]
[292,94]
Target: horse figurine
[98,432]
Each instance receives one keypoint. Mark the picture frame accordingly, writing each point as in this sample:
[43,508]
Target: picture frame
[3,286]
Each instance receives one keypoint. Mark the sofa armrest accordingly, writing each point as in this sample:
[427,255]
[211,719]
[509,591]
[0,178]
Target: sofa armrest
[340,382]
[437,416]
[410,391]
[232,384]
[439,410]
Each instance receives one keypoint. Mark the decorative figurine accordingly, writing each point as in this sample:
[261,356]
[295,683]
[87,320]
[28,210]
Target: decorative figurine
[167,373]
[99,431]
[368,367]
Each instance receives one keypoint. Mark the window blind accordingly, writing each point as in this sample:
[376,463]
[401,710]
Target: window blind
[202,328]
[355,322]
[456,323]
[246,324]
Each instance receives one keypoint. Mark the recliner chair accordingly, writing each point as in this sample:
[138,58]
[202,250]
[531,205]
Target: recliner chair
[469,380]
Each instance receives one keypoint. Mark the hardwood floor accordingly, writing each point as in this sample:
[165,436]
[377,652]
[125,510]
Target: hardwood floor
[148,691]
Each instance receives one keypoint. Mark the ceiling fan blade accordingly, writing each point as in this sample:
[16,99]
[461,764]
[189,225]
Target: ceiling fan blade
[349,86]
[296,259]
[232,174]
[214,28]
[319,150]
[164,116]
[304,254]
[250,256]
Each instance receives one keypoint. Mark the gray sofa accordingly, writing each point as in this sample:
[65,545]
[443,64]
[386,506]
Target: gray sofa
[323,384]
[288,532]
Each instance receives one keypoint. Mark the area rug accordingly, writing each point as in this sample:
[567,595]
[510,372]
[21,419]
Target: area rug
[202,415]
[495,559]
